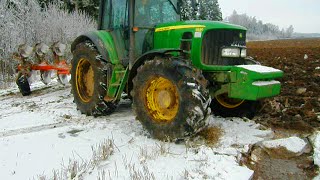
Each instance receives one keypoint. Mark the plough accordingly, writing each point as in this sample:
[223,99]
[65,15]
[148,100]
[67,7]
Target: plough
[46,68]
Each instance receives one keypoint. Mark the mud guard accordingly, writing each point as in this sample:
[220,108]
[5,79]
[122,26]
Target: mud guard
[147,56]
[104,43]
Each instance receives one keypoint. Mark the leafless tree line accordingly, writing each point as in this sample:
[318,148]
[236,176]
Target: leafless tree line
[257,30]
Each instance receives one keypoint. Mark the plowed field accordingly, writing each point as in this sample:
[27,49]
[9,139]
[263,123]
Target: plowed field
[298,106]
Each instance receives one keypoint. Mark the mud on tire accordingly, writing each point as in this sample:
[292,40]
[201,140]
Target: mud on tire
[192,98]
[89,80]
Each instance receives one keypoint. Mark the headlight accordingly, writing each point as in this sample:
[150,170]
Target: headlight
[230,52]
[243,53]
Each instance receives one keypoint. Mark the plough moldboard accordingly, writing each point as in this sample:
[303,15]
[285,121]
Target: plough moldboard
[36,59]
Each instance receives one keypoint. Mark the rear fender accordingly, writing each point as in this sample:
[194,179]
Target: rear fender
[103,42]
[147,57]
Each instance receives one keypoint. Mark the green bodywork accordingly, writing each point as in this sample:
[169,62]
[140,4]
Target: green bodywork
[105,43]
[248,82]
[242,83]
[172,38]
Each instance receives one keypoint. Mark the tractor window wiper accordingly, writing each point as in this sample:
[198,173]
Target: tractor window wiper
[174,6]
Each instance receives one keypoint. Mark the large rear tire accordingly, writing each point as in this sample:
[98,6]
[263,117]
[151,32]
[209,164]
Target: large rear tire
[89,80]
[224,106]
[169,99]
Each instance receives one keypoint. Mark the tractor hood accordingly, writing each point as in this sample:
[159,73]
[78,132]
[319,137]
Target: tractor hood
[169,35]
[195,24]
[174,34]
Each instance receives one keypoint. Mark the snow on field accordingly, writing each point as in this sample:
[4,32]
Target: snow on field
[293,144]
[42,132]
[260,69]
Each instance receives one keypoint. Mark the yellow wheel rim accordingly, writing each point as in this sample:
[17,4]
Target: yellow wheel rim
[85,80]
[227,102]
[162,99]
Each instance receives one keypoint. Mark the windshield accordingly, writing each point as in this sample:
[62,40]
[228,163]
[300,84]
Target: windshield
[151,12]
[175,4]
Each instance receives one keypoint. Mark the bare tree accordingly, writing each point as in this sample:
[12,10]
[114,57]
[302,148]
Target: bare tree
[257,30]
[26,21]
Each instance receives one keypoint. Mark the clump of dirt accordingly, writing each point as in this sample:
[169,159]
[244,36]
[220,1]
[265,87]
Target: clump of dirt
[211,135]
[298,105]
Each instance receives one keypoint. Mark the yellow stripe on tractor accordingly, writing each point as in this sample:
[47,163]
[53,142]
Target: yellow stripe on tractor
[179,27]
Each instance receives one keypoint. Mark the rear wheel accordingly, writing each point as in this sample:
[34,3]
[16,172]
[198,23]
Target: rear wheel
[89,80]
[169,100]
[224,106]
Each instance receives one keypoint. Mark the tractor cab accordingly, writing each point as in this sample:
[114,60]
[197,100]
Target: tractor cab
[114,17]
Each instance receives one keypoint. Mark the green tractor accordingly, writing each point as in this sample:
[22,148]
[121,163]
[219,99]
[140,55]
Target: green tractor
[174,71]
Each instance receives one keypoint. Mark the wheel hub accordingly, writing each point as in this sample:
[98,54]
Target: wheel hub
[85,80]
[227,102]
[162,99]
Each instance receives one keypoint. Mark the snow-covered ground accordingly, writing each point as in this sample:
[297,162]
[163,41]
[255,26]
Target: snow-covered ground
[42,132]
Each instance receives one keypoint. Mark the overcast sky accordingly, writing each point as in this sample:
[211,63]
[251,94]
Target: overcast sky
[304,15]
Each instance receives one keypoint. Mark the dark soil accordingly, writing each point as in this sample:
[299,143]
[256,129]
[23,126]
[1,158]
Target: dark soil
[296,110]
[268,167]
[298,105]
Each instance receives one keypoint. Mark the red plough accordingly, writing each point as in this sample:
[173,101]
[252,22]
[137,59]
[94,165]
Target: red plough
[58,64]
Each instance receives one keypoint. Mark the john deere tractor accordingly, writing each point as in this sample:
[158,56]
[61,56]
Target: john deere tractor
[173,70]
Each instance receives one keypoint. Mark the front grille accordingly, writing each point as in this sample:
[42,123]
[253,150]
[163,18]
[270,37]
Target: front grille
[214,40]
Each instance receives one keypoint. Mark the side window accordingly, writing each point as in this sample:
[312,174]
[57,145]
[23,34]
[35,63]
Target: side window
[119,15]
[169,14]
[152,12]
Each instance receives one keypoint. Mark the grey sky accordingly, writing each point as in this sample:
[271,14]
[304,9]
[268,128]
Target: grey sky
[304,15]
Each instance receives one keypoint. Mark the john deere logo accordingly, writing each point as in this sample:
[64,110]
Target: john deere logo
[240,36]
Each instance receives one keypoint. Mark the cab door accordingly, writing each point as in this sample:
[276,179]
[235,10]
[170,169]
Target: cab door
[114,19]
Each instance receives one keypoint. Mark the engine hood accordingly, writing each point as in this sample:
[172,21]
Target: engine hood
[198,24]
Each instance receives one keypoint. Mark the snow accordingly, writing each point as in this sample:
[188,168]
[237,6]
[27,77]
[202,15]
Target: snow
[23,120]
[265,83]
[192,84]
[40,133]
[259,68]
[293,144]
[28,155]
[315,140]
[238,134]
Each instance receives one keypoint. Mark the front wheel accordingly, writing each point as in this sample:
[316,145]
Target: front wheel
[224,106]
[169,100]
